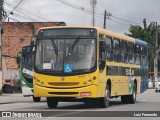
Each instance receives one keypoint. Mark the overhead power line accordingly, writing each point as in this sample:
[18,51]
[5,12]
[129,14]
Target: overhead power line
[15,7]
[122,19]
[99,14]
[18,13]
[28,13]
[68,3]
[31,14]
[119,22]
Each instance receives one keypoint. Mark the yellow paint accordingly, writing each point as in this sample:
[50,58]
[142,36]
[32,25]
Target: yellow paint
[85,83]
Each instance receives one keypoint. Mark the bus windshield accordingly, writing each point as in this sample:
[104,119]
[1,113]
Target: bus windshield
[27,65]
[67,55]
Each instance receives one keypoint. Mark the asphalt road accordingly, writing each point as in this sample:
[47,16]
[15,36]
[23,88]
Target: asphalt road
[147,102]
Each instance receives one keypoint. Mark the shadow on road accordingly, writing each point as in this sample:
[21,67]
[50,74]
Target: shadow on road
[87,105]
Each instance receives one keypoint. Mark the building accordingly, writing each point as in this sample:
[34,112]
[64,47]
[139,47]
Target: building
[15,36]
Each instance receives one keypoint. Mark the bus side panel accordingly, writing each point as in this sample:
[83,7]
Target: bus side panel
[143,72]
[144,78]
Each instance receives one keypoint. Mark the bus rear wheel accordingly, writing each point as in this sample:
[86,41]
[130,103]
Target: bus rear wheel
[104,102]
[130,98]
[36,99]
[52,102]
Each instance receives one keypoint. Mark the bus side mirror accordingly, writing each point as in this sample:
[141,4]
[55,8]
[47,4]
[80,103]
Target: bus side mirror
[103,46]
[32,44]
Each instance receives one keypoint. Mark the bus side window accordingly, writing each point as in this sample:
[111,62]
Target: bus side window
[124,53]
[137,54]
[102,55]
[143,56]
[109,51]
[131,53]
[116,46]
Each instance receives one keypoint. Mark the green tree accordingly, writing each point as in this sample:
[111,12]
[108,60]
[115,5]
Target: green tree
[148,34]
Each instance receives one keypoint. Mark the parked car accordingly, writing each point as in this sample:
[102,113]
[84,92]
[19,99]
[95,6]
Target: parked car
[157,85]
[150,83]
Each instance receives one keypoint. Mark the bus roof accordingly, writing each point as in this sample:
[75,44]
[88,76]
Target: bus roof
[140,42]
[102,31]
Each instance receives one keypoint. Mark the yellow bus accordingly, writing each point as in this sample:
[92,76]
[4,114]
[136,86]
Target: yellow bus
[88,64]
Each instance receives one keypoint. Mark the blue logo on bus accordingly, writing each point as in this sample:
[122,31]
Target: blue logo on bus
[68,68]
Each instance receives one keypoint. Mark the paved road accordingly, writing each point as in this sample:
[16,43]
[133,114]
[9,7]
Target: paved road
[148,101]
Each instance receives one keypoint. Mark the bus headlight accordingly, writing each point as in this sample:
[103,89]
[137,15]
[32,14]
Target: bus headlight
[84,82]
[42,83]
[90,80]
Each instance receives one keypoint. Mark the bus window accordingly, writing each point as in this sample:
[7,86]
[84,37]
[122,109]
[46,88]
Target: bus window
[143,56]
[102,56]
[131,53]
[109,51]
[124,53]
[116,46]
[137,54]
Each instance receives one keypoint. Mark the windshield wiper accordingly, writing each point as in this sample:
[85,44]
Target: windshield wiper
[73,45]
[54,46]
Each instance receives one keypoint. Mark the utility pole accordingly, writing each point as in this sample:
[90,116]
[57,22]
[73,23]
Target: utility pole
[1,13]
[105,14]
[156,56]
[93,4]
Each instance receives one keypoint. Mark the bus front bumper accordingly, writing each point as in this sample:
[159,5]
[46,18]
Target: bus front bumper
[81,92]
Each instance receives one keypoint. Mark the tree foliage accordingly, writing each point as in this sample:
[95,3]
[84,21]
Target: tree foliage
[148,34]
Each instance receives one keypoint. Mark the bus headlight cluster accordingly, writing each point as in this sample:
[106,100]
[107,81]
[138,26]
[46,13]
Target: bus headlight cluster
[84,82]
[42,83]
[39,81]
[89,80]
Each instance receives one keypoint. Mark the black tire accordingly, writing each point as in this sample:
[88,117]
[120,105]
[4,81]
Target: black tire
[104,101]
[36,99]
[130,98]
[52,102]
[124,99]
[156,90]
[86,102]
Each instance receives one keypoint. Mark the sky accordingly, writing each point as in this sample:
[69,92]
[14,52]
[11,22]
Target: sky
[124,12]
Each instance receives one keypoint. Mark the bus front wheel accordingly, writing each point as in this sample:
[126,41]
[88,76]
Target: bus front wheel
[104,102]
[52,102]
[36,99]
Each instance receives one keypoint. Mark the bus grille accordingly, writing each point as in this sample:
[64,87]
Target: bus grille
[63,83]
